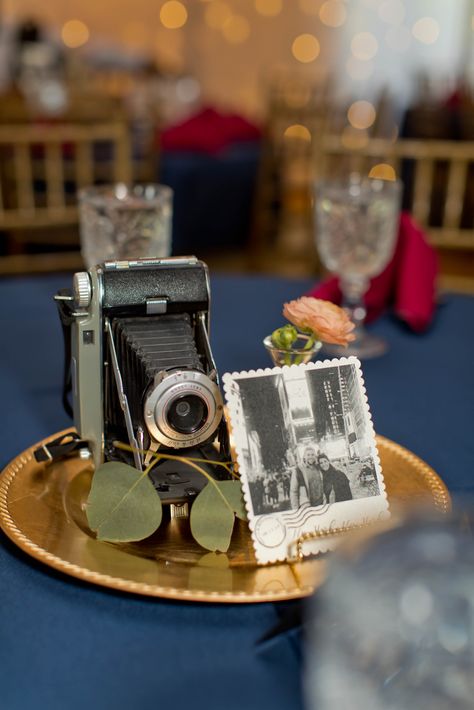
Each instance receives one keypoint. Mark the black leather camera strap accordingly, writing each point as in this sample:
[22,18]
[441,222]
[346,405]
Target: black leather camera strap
[65,444]
[66,320]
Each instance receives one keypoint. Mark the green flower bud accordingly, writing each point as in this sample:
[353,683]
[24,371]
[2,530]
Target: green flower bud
[284,337]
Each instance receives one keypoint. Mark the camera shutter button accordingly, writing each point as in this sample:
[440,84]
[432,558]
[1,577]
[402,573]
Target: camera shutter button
[82,290]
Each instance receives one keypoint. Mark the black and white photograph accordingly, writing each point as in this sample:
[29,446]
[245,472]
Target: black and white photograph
[305,446]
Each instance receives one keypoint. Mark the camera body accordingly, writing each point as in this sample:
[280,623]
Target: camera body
[142,371]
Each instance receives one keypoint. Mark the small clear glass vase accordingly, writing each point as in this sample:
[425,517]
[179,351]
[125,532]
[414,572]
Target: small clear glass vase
[298,354]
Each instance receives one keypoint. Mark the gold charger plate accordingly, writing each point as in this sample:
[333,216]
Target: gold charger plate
[42,509]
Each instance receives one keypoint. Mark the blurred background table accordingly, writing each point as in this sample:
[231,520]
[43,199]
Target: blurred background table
[70,644]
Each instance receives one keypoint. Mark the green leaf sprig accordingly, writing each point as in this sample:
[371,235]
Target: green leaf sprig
[285,337]
[123,505]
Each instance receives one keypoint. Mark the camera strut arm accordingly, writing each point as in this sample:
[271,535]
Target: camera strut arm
[123,398]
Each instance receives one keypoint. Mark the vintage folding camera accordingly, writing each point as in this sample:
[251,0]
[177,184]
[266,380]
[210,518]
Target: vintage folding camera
[142,370]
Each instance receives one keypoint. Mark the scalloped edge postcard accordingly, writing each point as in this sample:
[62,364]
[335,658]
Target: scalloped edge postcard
[307,454]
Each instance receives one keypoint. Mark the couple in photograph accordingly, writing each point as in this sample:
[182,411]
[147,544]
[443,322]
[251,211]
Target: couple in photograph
[316,481]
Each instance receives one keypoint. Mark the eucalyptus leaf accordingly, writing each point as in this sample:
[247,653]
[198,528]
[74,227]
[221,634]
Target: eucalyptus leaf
[232,491]
[212,519]
[123,505]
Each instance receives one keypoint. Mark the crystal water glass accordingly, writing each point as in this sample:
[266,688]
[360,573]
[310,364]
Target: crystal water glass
[356,231]
[298,354]
[121,222]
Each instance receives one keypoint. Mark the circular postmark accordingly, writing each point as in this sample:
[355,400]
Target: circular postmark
[270,531]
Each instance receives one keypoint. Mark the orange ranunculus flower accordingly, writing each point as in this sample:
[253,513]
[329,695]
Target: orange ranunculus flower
[329,322]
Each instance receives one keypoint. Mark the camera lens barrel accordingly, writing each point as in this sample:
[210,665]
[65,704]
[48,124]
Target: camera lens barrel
[183,408]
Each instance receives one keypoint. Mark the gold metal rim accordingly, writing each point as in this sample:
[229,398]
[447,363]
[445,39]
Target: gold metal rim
[435,489]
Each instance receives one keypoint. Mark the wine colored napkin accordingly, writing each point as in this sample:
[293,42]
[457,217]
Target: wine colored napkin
[407,285]
[208,131]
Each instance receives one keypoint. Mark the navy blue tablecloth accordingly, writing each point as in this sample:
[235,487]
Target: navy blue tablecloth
[66,644]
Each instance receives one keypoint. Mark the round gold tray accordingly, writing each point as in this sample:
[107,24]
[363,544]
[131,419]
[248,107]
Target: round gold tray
[42,509]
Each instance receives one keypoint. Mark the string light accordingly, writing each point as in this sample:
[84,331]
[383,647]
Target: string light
[309,7]
[305,48]
[333,13]
[398,38]
[383,171]
[74,33]
[173,15]
[426,30]
[354,139]
[268,8]
[364,46]
[359,70]
[216,14]
[297,130]
[298,99]
[236,29]
[187,89]
[135,34]
[392,12]
[361,114]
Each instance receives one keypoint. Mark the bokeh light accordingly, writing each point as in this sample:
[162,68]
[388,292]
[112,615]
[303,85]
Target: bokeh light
[169,49]
[216,14]
[333,13]
[426,30]
[74,33]
[298,131]
[359,71]
[361,114]
[173,15]
[383,171]
[135,34]
[236,29]
[364,46]
[187,89]
[398,38]
[392,12]
[269,8]
[305,48]
[309,7]
[354,139]
[298,99]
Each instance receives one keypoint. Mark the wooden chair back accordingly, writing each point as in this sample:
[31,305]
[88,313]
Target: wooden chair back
[438,177]
[41,169]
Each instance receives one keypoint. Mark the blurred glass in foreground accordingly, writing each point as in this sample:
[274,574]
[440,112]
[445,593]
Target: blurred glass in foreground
[393,628]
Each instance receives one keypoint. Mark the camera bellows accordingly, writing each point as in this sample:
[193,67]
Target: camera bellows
[157,343]
[146,346]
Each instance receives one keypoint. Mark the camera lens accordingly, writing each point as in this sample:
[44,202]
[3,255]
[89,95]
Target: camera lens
[187,414]
[183,408]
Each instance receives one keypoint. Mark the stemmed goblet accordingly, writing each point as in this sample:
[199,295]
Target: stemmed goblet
[356,231]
